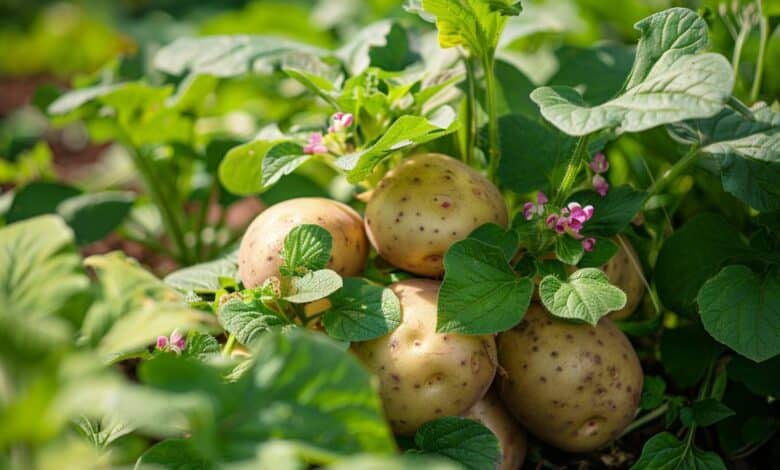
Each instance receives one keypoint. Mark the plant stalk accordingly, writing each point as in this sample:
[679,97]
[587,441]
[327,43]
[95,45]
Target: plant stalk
[471,113]
[651,416]
[739,43]
[229,345]
[763,29]
[202,219]
[494,142]
[572,170]
[672,173]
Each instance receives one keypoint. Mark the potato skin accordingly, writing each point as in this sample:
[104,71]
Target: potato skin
[426,204]
[259,254]
[425,375]
[493,415]
[573,385]
[621,272]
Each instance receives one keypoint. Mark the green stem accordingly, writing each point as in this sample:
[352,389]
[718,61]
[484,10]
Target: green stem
[494,143]
[471,114]
[157,192]
[763,28]
[572,170]
[672,173]
[651,416]
[738,45]
[202,218]
[741,108]
[229,345]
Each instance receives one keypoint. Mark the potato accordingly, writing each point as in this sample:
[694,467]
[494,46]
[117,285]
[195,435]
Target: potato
[424,375]
[622,272]
[573,385]
[493,415]
[425,205]
[259,254]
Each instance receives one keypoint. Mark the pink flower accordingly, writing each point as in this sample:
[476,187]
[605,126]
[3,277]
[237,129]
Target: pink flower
[340,122]
[552,221]
[588,244]
[530,209]
[177,341]
[600,185]
[315,145]
[162,342]
[541,198]
[599,164]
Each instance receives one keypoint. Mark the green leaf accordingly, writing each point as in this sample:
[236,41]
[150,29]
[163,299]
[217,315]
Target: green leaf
[685,354]
[228,56]
[247,318]
[94,216]
[480,294]
[174,453]
[383,44]
[313,286]
[664,451]
[568,250]
[75,99]
[306,248]
[761,379]
[281,160]
[652,393]
[745,149]
[201,346]
[709,411]
[599,71]
[361,311]
[492,234]
[586,296]
[612,213]
[396,462]
[604,250]
[693,254]
[204,277]
[670,81]
[406,132]
[241,171]
[512,91]
[473,24]
[38,198]
[42,276]
[463,440]
[741,309]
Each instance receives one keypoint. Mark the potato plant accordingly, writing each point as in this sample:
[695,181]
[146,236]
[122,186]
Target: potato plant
[472,242]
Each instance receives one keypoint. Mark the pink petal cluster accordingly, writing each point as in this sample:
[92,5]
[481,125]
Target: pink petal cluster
[175,343]
[315,145]
[340,122]
[530,209]
[600,165]
[570,220]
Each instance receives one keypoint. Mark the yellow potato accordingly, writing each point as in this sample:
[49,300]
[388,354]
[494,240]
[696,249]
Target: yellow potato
[573,385]
[426,204]
[622,272]
[493,415]
[259,254]
[423,374]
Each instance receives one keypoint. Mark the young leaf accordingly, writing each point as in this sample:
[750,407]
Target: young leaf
[670,81]
[256,166]
[586,296]
[473,24]
[204,277]
[306,248]
[612,213]
[406,132]
[741,309]
[492,234]
[361,311]
[480,294]
[745,149]
[664,450]
[568,250]
[173,453]
[461,439]
[247,319]
[313,286]
[201,346]
[652,393]
[709,411]
[693,254]
[93,216]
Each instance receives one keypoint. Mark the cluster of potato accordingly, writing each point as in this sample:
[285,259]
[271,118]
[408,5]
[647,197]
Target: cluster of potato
[572,385]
